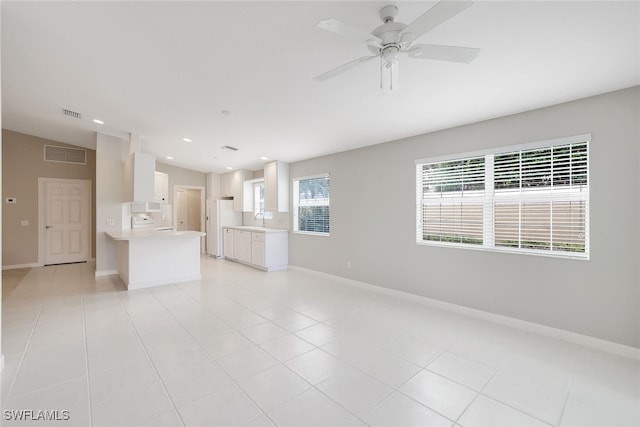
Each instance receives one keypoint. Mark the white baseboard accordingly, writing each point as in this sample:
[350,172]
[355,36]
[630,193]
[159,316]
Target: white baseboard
[100,273]
[561,334]
[17,266]
[167,281]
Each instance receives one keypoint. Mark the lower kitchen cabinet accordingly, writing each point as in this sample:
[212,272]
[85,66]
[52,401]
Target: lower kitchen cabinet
[257,249]
[242,245]
[227,242]
[267,250]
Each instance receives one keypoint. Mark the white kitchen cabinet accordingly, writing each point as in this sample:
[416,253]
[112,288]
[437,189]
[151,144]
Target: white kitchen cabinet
[242,246]
[276,186]
[226,184]
[161,187]
[257,249]
[214,186]
[264,248]
[232,185]
[239,177]
[139,177]
[227,242]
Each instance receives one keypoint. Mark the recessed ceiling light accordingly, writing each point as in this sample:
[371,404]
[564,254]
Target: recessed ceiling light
[100,122]
[264,158]
[229,168]
[226,112]
[169,157]
[186,139]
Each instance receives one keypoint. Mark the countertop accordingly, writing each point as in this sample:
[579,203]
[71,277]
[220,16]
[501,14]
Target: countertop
[151,234]
[256,228]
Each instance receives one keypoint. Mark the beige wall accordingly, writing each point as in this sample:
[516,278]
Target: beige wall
[22,164]
[181,176]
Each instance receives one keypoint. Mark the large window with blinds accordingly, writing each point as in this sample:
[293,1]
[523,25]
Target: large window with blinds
[311,205]
[531,198]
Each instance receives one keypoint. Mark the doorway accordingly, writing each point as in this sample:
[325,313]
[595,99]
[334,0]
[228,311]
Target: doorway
[189,209]
[64,220]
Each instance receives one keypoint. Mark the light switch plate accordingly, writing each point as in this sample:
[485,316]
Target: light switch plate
[24,222]
[11,200]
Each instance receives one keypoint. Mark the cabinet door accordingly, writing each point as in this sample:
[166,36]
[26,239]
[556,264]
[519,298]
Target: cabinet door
[271,187]
[257,249]
[226,184]
[276,187]
[228,243]
[242,245]
[161,187]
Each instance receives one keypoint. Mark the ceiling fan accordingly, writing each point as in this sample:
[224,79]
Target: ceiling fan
[393,39]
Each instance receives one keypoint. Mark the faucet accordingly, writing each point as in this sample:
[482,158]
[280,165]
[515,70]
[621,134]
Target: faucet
[260,214]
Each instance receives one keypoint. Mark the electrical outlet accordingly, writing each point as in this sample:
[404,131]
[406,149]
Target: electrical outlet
[24,222]
[111,221]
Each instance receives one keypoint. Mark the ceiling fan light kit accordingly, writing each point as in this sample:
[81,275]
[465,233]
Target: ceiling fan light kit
[393,39]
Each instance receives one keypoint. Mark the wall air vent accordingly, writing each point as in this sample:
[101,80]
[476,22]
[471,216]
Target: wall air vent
[65,155]
[228,147]
[70,113]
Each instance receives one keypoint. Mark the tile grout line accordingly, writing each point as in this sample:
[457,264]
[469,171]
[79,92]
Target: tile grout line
[86,358]
[573,375]
[155,369]
[28,345]
[235,383]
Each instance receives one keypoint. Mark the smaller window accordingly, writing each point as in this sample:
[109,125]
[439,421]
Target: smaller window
[311,205]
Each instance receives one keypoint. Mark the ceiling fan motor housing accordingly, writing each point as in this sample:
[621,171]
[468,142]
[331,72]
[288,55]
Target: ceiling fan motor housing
[389,13]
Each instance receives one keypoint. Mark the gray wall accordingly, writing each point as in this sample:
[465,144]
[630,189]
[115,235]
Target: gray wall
[373,224]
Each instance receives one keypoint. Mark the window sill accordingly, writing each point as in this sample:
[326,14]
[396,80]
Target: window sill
[312,233]
[548,254]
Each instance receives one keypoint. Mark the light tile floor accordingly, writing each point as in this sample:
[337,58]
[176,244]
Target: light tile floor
[246,348]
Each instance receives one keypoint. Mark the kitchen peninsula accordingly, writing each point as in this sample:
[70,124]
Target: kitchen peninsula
[152,258]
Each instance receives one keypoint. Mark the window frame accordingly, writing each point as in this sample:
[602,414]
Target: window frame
[491,197]
[296,204]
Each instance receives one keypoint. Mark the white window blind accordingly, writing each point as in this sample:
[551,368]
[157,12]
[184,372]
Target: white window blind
[452,200]
[532,199]
[311,204]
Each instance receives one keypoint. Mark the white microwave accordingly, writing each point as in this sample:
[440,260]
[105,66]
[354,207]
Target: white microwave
[141,207]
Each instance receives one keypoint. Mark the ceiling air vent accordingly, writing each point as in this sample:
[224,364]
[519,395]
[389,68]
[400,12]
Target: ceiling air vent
[70,113]
[65,155]
[228,147]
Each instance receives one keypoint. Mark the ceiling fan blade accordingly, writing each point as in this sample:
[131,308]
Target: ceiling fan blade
[435,16]
[344,67]
[443,53]
[338,27]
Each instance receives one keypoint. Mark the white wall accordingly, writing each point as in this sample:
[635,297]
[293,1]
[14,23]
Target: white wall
[373,224]
[111,152]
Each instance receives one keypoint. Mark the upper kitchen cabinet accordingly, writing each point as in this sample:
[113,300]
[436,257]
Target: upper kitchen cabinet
[214,186]
[239,177]
[232,185]
[276,186]
[226,185]
[139,178]
[161,187]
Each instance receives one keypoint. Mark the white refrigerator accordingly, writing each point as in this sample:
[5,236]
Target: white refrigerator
[219,214]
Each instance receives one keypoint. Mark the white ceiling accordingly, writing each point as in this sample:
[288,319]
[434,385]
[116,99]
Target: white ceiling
[166,70]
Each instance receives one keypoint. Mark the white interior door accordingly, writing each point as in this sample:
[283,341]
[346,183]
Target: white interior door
[67,212]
